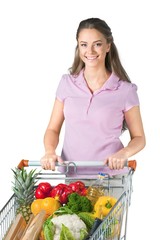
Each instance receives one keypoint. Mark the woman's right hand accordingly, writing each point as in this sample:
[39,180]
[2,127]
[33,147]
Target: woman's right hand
[48,161]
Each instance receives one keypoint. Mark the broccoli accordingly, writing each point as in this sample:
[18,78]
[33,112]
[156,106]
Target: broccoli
[77,203]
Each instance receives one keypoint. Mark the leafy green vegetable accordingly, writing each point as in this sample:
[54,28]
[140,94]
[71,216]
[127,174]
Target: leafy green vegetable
[63,210]
[49,230]
[77,203]
[87,218]
[66,233]
[65,225]
[83,233]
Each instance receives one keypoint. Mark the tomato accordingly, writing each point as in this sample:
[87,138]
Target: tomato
[39,194]
[45,187]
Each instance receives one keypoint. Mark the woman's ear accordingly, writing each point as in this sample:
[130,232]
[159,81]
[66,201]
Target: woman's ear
[108,47]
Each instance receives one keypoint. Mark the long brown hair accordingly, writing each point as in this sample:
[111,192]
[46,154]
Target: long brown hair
[112,60]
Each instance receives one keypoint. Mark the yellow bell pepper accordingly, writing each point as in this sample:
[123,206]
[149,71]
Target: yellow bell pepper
[103,206]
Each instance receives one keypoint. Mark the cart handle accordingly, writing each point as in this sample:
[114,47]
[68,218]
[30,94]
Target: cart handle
[27,163]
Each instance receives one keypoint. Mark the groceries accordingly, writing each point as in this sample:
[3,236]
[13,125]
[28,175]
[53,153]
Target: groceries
[103,206]
[23,188]
[61,192]
[66,226]
[78,203]
[112,226]
[43,190]
[46,206]
[97,189]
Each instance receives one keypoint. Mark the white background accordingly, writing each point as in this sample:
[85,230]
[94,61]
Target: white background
[37,42]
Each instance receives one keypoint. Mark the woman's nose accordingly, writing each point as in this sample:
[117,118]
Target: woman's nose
[90,49]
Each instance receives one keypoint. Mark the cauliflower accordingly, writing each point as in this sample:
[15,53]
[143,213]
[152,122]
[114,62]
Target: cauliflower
[69,225]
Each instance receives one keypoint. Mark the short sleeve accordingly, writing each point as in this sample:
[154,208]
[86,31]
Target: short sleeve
[131,98]
[60,92]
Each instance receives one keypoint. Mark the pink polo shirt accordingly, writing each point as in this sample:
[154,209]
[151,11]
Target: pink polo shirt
[93,122]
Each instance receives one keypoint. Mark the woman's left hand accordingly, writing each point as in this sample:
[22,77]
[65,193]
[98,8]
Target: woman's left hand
[116,161]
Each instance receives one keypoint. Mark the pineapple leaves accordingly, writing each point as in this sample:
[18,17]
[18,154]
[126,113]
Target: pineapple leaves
[24,187]
[24,184]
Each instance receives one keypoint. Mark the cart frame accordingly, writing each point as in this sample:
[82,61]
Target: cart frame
[117,217]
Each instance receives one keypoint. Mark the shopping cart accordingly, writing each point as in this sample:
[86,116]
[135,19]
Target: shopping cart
[113,226]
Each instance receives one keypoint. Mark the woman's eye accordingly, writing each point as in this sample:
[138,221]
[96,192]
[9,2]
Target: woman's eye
[94,45]
[83,45]
[98,44]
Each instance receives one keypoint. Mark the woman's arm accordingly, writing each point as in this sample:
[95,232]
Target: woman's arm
[51,137]
[137,143]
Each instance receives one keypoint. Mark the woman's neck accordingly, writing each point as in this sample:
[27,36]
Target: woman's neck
[96,79]
[98,75]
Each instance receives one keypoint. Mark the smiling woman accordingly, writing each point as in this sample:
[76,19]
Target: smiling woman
[37,46]
[93,53]
[97,101]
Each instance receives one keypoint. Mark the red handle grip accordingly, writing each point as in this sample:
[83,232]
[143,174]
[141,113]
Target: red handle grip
[23,163]
[132,164]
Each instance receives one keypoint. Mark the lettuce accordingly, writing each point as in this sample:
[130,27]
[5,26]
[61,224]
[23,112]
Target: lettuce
[83,233]
[66,233]
[49,231]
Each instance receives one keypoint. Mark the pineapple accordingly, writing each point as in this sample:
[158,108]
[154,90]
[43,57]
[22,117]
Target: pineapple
[23,188]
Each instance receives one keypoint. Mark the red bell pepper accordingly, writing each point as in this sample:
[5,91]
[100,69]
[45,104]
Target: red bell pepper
[61,192]
[45,187]
[43,190]
[77,186]
[83,192]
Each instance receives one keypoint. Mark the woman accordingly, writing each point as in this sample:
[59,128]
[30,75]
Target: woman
[97,101]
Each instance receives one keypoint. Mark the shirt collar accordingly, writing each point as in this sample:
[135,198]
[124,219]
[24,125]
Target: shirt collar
[111,84]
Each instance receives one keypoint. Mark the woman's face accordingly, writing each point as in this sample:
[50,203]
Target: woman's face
[92,47]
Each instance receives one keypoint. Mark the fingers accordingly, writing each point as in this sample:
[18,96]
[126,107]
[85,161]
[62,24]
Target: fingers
[52,165]
[48,162]
[60,160]
[115,163]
